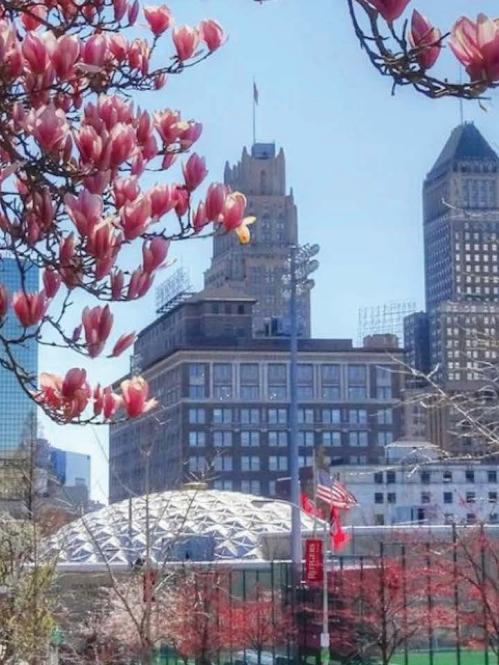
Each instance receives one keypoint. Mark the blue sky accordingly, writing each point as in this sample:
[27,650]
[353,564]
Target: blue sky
[356,157]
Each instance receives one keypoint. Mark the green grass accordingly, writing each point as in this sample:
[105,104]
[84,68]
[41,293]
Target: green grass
[444,658]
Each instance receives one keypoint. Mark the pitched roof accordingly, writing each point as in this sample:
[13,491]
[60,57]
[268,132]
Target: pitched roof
[465,143]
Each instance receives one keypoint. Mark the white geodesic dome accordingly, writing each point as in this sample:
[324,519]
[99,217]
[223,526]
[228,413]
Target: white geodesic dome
[184,524]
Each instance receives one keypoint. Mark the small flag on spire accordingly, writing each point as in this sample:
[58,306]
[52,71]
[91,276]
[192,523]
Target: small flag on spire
[255,93]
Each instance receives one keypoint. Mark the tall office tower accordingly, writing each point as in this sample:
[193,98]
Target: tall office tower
[17,411]
[258,269]
[461,236]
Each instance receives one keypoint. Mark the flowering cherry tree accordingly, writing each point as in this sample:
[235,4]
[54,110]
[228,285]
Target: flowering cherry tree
[407,47]
[74,150]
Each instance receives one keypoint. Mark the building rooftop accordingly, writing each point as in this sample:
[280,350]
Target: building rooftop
[211,524]
[465,143]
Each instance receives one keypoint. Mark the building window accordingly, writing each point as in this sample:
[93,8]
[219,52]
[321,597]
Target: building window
[197,380]
[378,497]
[331,416]
[306,439]
[250,486]
[425,497]
[492,497]
[250,463]
[492,476]
[250,381]
[306,416]
[331,382]
[383,382]
[222,463]
[250,439]
[384,417]
[197,464]
[358,459]
[469,476]
[278,463]
[277,381]
[447,476]
[358,439]
[379,520]
[305,460]
[250,416]
[332,439]
[197,416]
[493,518]
[222,438]
[448,518]
[357,416]
[391,497]
[390,477]
[357,382]
[378,477]
[425,477]
[222,381]
[278,438]
[470,497]
[448,497]
[470,518]
[223,485]
[384,438]
[305,382]
[278,416]
[272,488]
[197,439]
[222,416]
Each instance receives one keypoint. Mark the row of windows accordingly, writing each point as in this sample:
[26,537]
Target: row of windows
[200,416]
[199,463]
[277,381]
[427,497]
[253,438]
[434,476]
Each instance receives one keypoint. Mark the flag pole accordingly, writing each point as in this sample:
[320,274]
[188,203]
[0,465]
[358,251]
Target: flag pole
[254,112]
[325,599]
[314,490]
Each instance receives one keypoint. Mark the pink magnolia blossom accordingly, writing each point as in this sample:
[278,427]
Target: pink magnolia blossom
[154,253]
[36,53]
[49,127]
[120,9]
[33,18]
[212,34]
[140,283]
[133,12]
[94,50]
[4,301]
[135,392]
[215,201]
[67,396]
[186,40]
[118,47]
[138,56]
[122,143]
[51,282]
[111,402]
[426,39]
[125,190]
[97,323]
[199,218]
[85,210]
[194,171]
[30,308]
[123,343]
[476,46]
[65,55]
[182,201]
[168,123]
[390,10]
[163,198]
[117,283]
[135,217]
[190,134]
[159,18]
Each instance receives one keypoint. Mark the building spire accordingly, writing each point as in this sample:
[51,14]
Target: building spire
[255,103]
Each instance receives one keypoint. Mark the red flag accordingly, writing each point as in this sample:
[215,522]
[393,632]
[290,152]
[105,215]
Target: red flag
[309,507]
[339,539]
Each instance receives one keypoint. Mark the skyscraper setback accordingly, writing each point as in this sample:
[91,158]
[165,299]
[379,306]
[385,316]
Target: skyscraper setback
[259,269]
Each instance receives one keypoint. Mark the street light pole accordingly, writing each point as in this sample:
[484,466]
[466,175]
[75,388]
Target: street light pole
[296,546]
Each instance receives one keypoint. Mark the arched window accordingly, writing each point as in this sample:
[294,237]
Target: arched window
[263,182]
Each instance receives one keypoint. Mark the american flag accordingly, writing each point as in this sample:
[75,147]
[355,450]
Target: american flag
[335,495]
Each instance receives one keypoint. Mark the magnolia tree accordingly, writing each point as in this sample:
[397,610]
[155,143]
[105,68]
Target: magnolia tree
[408,49]
[74,152]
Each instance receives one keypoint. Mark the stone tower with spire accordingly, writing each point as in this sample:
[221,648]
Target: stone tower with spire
[258,269]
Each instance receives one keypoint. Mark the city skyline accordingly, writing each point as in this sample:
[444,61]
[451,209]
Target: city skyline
[398,136]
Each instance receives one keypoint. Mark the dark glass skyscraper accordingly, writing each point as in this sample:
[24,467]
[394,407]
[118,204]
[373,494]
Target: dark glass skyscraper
[16,409]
